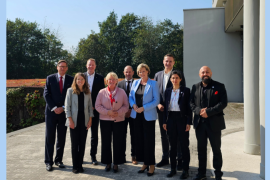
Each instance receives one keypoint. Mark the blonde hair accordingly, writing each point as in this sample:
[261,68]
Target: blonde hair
[113,74]
[75,87]
[91,59]
[142,65]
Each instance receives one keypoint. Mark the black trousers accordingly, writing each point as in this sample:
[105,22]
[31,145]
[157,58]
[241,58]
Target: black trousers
[94,134]
[78,137]
[145,140]
[55,124]
[129,121]
[165,140]
[178,137]
[203,131]
[115,129]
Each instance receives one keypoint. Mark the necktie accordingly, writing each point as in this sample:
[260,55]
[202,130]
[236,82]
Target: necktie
[128,88]
[61,84]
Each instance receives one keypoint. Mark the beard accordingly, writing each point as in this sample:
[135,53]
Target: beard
[206,80]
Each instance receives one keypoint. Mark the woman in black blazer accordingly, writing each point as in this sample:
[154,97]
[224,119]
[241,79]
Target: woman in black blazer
[177,121]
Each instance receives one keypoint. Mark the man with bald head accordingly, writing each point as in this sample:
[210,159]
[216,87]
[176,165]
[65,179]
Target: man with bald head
[207,100]
[126,85]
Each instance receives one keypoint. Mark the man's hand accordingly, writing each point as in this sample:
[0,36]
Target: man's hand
[203,113]
[58,110]
[71,123]
[89,124]
[140,110]
[127,115]
[160,107]
[187,127]
[165,127]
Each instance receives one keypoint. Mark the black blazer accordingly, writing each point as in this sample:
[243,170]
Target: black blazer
[122,84]
[52,94]
[159,78]
[217,97]
[98,84]
[183,103]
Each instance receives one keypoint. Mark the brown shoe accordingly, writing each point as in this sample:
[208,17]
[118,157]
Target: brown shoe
[134,161]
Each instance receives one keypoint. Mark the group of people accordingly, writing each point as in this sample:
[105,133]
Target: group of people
[83,102]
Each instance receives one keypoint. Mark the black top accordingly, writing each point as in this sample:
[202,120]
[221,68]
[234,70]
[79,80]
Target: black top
[139,95]
[81,102]
[204,98]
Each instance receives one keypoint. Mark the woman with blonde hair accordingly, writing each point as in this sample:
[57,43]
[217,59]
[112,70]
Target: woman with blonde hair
[112,104]
[79,113]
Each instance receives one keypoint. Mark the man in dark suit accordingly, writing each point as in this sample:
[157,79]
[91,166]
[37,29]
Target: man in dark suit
[207,101]
[96,83]
[55,118]
[162,77]
[126,85]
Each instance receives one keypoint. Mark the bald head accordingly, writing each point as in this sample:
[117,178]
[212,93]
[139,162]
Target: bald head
[205,74]
[128,72]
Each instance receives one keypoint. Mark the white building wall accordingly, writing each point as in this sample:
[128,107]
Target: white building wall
[206,43]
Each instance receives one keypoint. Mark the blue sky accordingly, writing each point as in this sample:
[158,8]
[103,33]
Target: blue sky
[76,19]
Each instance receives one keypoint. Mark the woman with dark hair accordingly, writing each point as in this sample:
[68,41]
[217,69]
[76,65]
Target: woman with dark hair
[177,121]
[79,113]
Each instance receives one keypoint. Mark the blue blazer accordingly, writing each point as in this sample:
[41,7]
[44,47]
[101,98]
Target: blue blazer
[150,99]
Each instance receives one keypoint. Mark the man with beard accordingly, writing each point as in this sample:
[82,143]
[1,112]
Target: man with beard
[207,100]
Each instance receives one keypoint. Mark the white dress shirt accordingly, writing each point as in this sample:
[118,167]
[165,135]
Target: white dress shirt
[166,77]
[63,80]
[90,80]
[130,84]
[174,106]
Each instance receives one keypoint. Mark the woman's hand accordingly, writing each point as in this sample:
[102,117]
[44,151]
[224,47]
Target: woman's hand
[187,127]
[165,127]
[89,124]
[139,110]
[112,113]
[71,123]
[135,107]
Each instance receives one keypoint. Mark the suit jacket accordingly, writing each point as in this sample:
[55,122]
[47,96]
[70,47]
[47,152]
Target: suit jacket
[150,99]
[52,94]
[159,78]
[183,102]
[217,101]
[122,85]
[71,107]
[98,84]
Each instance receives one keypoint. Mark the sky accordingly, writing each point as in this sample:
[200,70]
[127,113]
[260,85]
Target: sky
[75,19]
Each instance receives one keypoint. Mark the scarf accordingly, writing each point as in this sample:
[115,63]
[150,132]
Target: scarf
[112,94]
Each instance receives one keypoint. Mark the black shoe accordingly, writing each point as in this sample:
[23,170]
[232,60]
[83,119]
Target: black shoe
[184,175]
[200,177]
[115,170]
[172,173]
[179,165]
[142,171]
[218,178]
[108,167]
[150,174]
[60,164]
[94,161]
[80,169]
[75,171]
[163,162]
[48,167]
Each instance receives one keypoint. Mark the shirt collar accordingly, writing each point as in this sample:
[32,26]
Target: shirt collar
[62,76]
[129,80]
[91,75]
[167,73]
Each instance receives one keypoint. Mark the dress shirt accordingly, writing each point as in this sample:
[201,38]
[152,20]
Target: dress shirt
[90,80]
[63,80]
[166,77]
[174,106]
[130,84]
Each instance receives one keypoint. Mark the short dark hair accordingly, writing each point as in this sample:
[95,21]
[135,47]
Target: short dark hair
[64,61]
[178,73]
[169,55]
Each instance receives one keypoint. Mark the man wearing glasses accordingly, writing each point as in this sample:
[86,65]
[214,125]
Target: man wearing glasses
[55,118]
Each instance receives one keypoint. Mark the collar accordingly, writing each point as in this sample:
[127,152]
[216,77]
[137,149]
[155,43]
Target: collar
[129,80]
[167,73]
[92,74]
[58,75]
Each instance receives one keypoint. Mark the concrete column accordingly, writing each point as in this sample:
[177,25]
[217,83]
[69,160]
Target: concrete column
[251,77]
[262,85]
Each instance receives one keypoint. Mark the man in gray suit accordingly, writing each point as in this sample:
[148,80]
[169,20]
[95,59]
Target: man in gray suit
[163,79]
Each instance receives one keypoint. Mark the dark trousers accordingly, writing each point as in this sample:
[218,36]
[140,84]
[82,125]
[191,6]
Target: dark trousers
[177,132]
[55,124]
[94,135]
[109,129]
[145,140]
[78,137]
[132,136]
[165,140]
[203,131]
